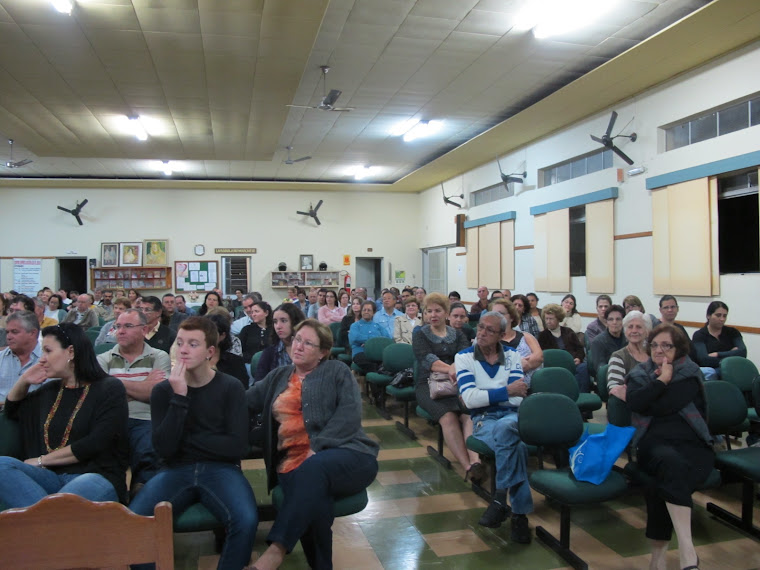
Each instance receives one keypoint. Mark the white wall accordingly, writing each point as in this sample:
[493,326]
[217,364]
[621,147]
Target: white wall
[720,82]
[351,223]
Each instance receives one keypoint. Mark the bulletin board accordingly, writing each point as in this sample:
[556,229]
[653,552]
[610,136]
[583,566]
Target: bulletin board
[196,275]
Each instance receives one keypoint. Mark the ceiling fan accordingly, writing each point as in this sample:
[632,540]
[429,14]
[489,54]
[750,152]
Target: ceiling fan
[448,200]
[18,163]
[606,139]
[328,99]
[312,213]
[294,160]
[511,178]
[76,211]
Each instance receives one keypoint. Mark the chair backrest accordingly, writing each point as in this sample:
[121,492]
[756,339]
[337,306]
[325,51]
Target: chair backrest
[67,531]
[601,382]
[556,358]
[756,394]
[618,412]
[255,361]
[61,315]
[739,371]
[335,330]
[92,334]
[103,347]
[10,437]
[374,347]
[555,381]
[550,420]
[397,357]
[239,311]
[726,406]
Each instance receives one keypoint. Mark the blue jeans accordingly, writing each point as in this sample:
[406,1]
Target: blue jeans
[583,378]
[22,485]
[710,373]
[222,489]
[498,430]
[310,490]
[143,459]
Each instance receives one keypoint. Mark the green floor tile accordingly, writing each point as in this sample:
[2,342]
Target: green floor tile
[391,438]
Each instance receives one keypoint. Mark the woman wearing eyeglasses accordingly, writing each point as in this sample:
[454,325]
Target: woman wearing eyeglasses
[314,445]
[666,395]
[73,428]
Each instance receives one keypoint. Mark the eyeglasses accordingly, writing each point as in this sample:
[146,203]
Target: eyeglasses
[307,343]
[665,346]
[489,330]
[146,310]
[127,326]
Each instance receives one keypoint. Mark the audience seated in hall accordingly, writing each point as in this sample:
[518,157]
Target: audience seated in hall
[331,311]
[599,324]
[636,328]
[108,330]
[82,314]
[524,343]
[482,303]
[353,314]
[157,335]
[404,326]
[39,310]
[104,305]
[610,340]
[572,318]
[558,337]
[363,330]
[139,367]
[23,350]
[257,335]
[633,303]
[181,306]
[225,359]
[314,308]
[388,313]
[459,319]
[247,304]
[527,323]
[716,341]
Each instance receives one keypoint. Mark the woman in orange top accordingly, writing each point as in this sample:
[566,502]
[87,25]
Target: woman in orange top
[314,445]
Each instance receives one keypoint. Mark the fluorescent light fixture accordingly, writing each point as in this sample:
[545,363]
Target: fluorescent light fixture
[423,129]
[360,172]
[63,6]
[549,18]
[137,129]
[403,127]
[166,166]
[636,171]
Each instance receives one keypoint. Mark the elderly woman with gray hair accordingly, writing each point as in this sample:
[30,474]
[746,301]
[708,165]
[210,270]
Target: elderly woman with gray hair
[636,328]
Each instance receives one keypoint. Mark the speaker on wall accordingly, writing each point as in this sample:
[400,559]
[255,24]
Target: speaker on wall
[459,221]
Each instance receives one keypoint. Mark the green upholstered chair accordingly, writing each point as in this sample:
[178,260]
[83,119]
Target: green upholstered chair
[343,506]
[436,454]
[101,320]
[754,415]
[556,358]
[103,347]
[727,407]
[92,334]
[562,381]
[336,348]
[255,362]
[239,312]
[554,420]
[373,351]
[601,383]
[398,357]
[742,372]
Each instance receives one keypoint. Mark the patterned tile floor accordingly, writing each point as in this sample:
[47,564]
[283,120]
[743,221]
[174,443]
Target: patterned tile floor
[421,515]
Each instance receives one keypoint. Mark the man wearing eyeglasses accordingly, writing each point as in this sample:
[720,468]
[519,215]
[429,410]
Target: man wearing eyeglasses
[157,334]
[139,367]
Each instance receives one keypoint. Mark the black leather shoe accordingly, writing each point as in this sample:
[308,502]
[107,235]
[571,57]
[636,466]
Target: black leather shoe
[476,473]
[520,529]
[495,514]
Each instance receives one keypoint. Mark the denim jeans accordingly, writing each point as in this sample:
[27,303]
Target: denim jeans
[309,491]
[498,430]
[22,485]
[710,373]
[143,459]
[582,377]
[222,489]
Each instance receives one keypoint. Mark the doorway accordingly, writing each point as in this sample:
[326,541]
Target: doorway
[368,275]
[72,274]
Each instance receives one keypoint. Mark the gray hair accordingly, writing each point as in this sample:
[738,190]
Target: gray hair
[255,297]
[27,319]
[140,315]
[496,315]
[633,315]
[39,303]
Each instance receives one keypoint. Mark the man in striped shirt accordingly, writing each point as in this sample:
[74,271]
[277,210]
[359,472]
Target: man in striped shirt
[139,367]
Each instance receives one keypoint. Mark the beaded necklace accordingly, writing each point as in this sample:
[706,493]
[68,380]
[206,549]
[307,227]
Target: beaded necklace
[54,409]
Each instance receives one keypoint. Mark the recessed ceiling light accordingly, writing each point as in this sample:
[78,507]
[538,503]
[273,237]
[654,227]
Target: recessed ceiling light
[63,6]
[166,166]
[137,129]
[360,172]
[403,127]
[549,18]
[423,129]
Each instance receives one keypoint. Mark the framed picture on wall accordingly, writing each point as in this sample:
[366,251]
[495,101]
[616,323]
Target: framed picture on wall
[109,255]
[130,254]
[155,251]
[306,262]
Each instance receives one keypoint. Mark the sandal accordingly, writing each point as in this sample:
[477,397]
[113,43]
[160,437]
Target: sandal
[693,566]
[476,473]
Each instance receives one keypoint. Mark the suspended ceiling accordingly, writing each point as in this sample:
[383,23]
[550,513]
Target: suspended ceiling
[212,78]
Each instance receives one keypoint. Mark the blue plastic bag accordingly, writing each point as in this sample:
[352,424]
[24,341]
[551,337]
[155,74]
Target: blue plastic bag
[592,459]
